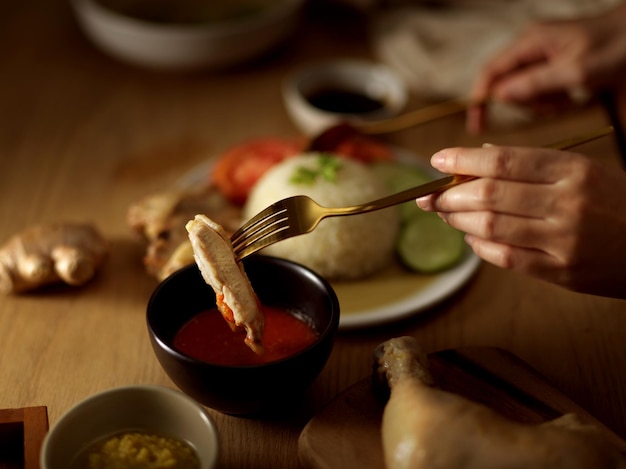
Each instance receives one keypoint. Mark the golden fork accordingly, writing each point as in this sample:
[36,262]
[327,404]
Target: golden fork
[300,214]
[416,117]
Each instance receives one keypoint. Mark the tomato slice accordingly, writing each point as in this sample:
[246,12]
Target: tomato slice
[239,168]
[365,149]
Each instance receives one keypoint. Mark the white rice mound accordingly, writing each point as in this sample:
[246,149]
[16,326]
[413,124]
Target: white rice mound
[340,248]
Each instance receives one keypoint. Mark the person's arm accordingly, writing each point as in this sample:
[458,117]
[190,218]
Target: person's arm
[551,59]
[555,215]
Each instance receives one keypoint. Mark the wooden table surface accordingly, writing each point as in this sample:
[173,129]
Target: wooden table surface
[83,136]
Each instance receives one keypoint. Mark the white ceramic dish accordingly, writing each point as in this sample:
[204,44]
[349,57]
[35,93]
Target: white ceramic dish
[210,45]
[153,409]
[362,79]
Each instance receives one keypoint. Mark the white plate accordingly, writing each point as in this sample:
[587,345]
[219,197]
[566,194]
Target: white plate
[394,293]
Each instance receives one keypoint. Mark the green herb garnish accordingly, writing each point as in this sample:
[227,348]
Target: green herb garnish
[327,168]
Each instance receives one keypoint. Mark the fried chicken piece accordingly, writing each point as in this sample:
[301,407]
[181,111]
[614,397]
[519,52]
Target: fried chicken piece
[160,218]
[425,427]
[236,299]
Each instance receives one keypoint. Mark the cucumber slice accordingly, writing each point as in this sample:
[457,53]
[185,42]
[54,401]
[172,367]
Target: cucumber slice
[409,177]
[399,177]
[409,210]
[427,244]
[386,171]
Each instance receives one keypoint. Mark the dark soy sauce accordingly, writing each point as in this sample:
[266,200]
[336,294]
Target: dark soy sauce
[343,101]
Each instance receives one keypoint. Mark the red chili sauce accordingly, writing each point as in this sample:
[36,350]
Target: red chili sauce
[208,337]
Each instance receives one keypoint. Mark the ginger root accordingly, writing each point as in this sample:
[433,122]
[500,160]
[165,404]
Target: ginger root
[426,427]
[51,253]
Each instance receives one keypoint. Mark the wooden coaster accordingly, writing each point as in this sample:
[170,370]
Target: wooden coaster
[21,434]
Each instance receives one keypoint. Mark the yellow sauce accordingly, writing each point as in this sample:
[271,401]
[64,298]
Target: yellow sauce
[138,450]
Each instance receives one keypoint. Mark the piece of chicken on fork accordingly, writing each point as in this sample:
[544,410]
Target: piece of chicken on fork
[427,427]
[235,297]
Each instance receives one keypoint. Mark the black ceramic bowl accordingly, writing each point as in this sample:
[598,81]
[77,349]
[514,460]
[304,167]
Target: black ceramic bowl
[245,390]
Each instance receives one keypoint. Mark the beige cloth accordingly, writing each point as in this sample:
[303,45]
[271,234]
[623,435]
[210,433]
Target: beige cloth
[438,51]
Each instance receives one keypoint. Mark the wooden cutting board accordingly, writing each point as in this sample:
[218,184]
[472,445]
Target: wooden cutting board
[347,432]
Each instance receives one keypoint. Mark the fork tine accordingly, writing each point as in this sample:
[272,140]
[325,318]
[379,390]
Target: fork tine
[271,234]
[254,230]
[275,207]
[262,219]
[260,230]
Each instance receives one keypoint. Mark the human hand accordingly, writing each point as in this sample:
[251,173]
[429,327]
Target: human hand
[558,216]
[543,66]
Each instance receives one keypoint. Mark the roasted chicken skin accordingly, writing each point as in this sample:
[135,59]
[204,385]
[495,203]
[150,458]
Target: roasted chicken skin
[236,299]
[426,427]
[160,219]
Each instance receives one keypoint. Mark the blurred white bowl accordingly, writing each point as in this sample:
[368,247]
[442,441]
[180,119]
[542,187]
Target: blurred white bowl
[357,91]
[151,409]
[177,45]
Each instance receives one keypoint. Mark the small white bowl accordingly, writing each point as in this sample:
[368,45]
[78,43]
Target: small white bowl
[180,46]
[152,409]
[320,95]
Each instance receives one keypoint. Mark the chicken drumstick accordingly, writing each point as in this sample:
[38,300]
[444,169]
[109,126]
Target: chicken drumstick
[426,427]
